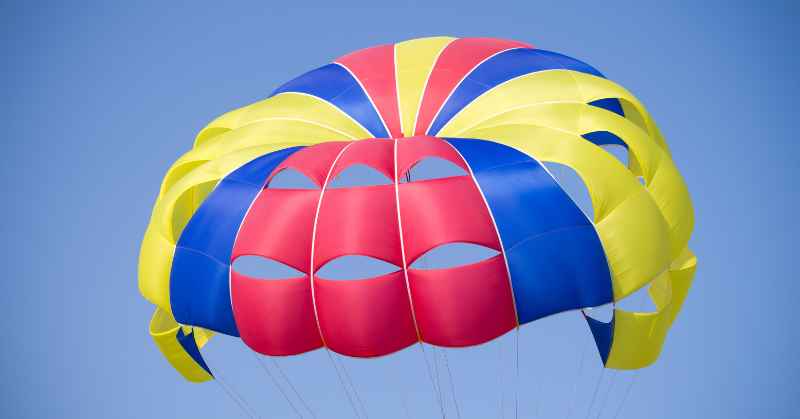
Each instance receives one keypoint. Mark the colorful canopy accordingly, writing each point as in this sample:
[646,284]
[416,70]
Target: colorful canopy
[494,109]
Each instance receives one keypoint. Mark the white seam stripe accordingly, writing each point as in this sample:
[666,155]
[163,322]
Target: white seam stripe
[366,93]
[467,74]
[425,87]
[402,246]
[314,238]
[249,207]
[397,90]
[497,231]
[329,103]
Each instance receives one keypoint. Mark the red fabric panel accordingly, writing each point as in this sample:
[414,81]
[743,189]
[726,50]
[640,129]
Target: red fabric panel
[454,63]
[358,221]
[374,68]
[442,211]
[413,149]
[279,226]
[375,153]
[275,317]
[460,306]
[463,306]
[368,317]
[313,161]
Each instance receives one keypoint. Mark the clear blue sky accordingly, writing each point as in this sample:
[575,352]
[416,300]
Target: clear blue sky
[98,100]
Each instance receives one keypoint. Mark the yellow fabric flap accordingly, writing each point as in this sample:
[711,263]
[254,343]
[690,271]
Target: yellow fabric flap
[639,337]
[165,331]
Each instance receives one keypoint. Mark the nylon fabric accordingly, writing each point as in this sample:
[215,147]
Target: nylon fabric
[554,255]
[414,62]
[514,106]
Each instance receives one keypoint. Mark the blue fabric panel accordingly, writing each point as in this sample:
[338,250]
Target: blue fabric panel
[604,138]
[569,63]
[190,346]
[334,84]
[501,68]
[213,226]
[603,335]
[554,255]
[199,283]
[200,293]
[557,271]
[609,104]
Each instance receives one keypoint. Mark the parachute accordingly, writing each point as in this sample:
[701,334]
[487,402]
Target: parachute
[494,111]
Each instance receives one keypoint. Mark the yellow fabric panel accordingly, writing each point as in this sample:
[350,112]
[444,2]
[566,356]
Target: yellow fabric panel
[593,88]
[632,114]
[158,245]
[209,133]
[202,336]
[155,262]
[175,172]
[543,87]
[633,232]
[639,337]
[414,61]
[629,234]
[186,205]
[225,122]
[662,178]
[306,108]
[286,106]
[264,132]
[164,330]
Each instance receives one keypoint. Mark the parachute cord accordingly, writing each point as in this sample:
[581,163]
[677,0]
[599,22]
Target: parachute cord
[276,384]
[352,386]
[341,383]
[538,402]
[434,383]
[571,407]
[627,392]
[296,393]
[500,383]
[436,373]
[594,395]
[613,380]
[516,374]
[452,385]
[405,407]
[436,378]
[642,302]
[231,393]
[430,377]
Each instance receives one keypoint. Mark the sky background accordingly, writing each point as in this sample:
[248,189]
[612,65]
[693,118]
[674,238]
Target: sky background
[98,99]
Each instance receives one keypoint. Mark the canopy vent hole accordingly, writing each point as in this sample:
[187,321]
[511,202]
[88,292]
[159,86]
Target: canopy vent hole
[573,185]
[359,175]
[264,268]
[450,255]
[289,178]
[603,313]
[351,267]
[431,168]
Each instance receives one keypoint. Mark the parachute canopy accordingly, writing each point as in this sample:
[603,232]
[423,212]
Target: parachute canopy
[494,111]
